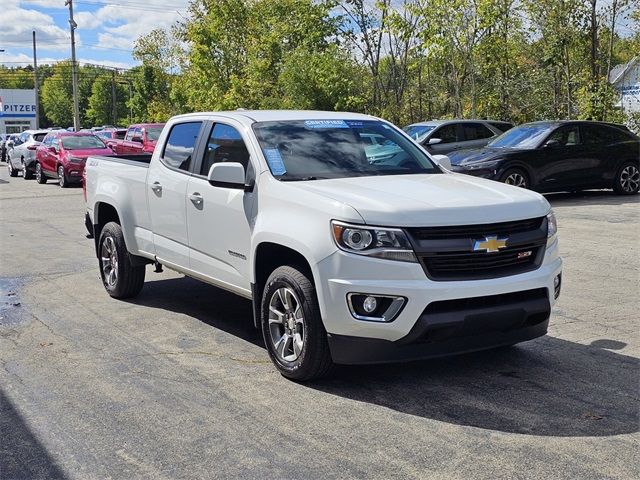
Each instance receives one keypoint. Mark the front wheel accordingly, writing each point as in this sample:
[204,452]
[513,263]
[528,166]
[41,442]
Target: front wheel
[515,177]
[292,326]
[41,178]
[627,180]
[12,171]
[62,178]
[120,278]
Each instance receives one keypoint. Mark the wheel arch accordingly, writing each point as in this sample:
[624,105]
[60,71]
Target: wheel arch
[103,213]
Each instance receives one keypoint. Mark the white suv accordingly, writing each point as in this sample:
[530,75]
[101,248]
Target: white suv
[21,153]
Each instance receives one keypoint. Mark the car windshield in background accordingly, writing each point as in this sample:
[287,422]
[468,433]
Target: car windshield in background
[153,133]
[418,132]
[319,149]
[524,136]
[82,142]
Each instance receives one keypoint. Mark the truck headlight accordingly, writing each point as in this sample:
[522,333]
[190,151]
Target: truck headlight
[389,243]
[552,225]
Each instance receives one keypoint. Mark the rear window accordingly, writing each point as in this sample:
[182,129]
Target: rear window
[178,152]
[120,134]
[38,137]
[82,142]
[153,133]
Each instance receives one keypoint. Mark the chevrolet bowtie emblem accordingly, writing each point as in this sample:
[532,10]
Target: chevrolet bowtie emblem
[490,244]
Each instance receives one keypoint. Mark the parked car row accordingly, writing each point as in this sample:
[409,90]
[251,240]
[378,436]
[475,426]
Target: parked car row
[60,154]
[542,156]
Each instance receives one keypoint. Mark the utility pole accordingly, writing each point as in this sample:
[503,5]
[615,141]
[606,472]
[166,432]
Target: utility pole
[35,81]
[74,67]
[113,97]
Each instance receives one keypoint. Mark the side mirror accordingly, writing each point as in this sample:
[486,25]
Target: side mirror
[443,161]
[227,175]
[434,141]
[551,143]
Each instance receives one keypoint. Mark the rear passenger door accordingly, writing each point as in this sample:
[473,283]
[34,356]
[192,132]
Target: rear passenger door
[167,182]
[475,135]
[219,220]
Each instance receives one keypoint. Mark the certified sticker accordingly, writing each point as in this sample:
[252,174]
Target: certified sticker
[274,159]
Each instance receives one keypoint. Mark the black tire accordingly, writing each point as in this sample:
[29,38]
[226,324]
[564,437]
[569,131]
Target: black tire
[516,177]
[41,178]
[314,359]
[26,173]
[627,181]
[129,279]
[12,171]
[62,178]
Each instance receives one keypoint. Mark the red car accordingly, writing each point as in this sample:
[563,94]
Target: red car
[140,139]
[62,156]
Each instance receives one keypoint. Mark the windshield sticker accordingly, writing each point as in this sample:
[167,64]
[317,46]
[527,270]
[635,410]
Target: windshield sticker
[353,123]
[274,159]
[325,124]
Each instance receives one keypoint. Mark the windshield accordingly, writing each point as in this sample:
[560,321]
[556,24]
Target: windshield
[82,142]
[153,133]
[418,132]
[524,136]
[318,149]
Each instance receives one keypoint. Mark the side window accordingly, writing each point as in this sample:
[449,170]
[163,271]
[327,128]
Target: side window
[55,142]
[129,134]
[137,135]
[475,131]
[178,151]
[447,133]
[225,145]
[24,137]
[565,136]
[592,135]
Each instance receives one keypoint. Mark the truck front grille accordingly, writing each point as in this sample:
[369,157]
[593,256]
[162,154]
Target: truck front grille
[447,253]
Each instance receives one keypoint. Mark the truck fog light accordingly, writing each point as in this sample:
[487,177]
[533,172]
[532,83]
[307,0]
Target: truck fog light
[370,304]
[557,285]
[375,308]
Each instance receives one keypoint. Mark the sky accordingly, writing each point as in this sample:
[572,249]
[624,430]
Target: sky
[105,35]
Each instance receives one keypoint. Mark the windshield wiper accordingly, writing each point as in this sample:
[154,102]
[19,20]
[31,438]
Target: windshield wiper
[300,179]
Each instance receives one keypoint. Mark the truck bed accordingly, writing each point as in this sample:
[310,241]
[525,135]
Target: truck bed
[141,160]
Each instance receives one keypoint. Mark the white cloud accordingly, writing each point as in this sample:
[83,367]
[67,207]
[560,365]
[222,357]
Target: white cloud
[87,20]
[18,23]
[46,3]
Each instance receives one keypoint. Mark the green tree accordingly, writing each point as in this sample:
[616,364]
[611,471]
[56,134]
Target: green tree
[57,100]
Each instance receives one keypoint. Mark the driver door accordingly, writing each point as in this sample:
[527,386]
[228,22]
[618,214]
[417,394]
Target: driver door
[565,159]
[219,219]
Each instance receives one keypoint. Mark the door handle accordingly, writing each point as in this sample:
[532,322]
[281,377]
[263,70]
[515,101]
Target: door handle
[156,187]
[196,199]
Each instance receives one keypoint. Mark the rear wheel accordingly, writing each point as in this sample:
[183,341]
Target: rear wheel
[627,180]
[515,177]
[40,176]
[26,173]
[120,278]
[292,326]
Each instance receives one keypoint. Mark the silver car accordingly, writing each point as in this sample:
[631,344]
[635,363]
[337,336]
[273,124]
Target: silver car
[21,152]
[443,136]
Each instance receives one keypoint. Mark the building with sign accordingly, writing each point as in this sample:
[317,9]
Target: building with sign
[17,110]
[626,80]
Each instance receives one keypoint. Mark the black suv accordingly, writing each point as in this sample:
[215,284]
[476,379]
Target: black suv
[559,155]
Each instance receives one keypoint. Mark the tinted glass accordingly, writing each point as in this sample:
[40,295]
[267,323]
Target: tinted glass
[120,134]
[38,137]
[316,149]
[153,133]
[447,133]
[565,136]
[179,148]
[475,131]
[418,132]
[82,142]
[524,136]
[502,126]
[225,145]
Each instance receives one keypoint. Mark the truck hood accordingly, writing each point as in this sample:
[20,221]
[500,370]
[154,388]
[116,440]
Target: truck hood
[430,200]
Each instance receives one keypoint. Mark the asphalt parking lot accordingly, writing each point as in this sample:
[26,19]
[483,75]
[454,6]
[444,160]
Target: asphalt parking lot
[176,384]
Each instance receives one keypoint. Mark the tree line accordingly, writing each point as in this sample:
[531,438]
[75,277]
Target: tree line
[404,60]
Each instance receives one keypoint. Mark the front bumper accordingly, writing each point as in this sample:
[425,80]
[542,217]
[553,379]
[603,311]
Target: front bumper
[357,341]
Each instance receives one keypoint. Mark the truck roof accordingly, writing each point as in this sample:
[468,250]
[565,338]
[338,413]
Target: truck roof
[280,115]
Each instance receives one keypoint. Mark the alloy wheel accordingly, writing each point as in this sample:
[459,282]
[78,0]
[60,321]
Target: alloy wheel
[286,324]
[38,172]
[61,180]
[630,178]
[516,179]
[109,259]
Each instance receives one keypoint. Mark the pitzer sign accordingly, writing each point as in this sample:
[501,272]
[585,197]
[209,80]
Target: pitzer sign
[17,103]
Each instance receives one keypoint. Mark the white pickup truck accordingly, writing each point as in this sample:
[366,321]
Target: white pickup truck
[352,250]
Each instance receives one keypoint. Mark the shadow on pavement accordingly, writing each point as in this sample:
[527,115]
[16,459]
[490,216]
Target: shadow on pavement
[213,306]
[548,387]
[590,197]
[21,454]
